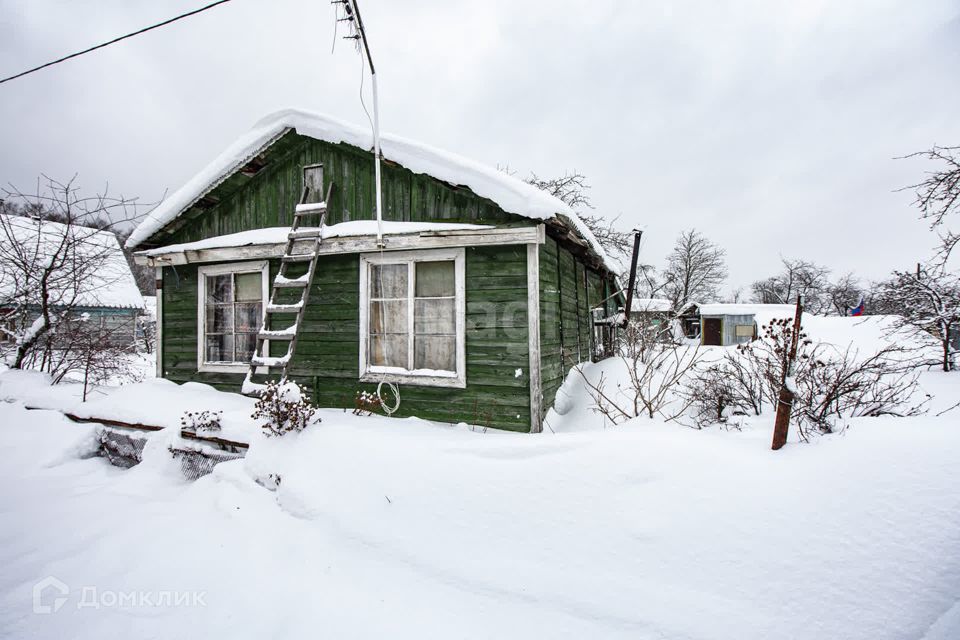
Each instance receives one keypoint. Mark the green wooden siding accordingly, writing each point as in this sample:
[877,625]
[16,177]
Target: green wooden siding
[327,357]
[551,345]
[568,291]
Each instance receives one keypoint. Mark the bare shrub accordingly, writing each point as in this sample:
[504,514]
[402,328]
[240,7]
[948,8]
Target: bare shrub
[656,365]
[197,421]
[831,385]
[842,385]
[365,403]
[767,357]
[283,408]
[81,347]
[726,389]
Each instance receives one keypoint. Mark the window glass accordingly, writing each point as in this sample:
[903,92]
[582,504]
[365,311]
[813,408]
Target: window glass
[245,344]
[220,348]
[220,288]
[249,287]
[431,341]
[435,352]
[434,315]
[435,279]
[388,316]
[389,350]
[247,316]
[233,309]
[219,318]
[388,281]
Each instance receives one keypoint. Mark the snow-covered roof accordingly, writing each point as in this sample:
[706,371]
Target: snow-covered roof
[278,235]
[510,193]
[658,305]
[738,309]
[112,284]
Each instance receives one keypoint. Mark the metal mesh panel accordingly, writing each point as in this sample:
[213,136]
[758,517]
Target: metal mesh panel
[122,448]
[196,463]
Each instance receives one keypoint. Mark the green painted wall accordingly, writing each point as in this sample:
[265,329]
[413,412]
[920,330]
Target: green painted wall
[568,291]
[327,357]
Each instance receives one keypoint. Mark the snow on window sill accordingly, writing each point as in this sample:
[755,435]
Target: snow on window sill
[224,367]
[416,377]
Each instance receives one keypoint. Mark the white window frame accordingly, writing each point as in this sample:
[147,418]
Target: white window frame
[371,373]
[260,266]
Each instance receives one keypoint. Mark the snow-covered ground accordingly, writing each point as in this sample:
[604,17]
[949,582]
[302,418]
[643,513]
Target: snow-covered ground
[405,528]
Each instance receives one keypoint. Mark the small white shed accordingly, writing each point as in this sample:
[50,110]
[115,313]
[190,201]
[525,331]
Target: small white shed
[734,323]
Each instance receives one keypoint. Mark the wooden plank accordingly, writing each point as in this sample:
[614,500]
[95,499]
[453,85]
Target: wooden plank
[214,440]
[339,246]
[533,333]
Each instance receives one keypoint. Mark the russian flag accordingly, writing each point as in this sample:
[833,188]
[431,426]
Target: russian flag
[857,310]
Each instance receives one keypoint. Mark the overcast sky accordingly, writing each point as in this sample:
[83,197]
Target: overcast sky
[769,126]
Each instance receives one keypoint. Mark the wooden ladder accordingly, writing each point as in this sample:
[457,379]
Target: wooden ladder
[283,283]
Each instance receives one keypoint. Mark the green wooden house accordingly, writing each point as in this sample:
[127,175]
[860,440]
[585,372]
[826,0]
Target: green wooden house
[477,302]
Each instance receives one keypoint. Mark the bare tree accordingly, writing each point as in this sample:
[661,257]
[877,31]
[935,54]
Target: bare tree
[844,293]
[696,267]
[572,188]
[736,296]
[649,284]
[52,260]
[938,196]
[798,277]
[147,332]
[929,301]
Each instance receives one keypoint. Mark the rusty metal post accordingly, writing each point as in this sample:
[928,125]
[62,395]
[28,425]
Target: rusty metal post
[633,275]
[785,402]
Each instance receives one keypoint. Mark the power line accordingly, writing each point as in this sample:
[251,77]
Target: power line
[115,40]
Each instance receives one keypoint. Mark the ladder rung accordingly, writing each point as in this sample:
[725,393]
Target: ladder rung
[300,257]
[284,308]
[300,235]
[290,284]
[268,361]
[310,208]
[269,335]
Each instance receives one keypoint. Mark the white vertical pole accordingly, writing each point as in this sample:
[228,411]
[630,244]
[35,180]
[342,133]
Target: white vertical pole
[361,32]
[376,153]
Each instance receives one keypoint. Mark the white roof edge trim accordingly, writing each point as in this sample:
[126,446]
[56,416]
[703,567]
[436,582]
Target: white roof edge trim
[510,193]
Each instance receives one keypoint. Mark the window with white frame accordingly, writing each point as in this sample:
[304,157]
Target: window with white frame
[412,317]
[231,302]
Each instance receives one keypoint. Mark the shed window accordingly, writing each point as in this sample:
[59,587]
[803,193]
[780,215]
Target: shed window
[412,323]
[231,312]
